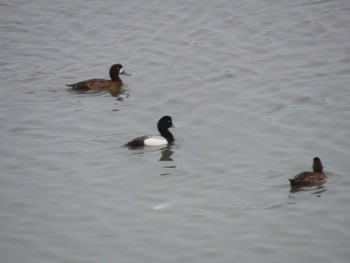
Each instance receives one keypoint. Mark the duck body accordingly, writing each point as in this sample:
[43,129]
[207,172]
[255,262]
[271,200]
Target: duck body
[100,84]
[310,178]
[96,84]
[163,139]
[148,140]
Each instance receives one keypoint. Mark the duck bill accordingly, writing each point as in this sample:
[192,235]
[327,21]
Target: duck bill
[123,72]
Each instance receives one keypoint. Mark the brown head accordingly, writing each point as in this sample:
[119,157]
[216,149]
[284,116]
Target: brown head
[116,70]
[317,165]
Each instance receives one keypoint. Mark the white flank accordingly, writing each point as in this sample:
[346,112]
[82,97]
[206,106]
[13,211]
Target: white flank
[156,141]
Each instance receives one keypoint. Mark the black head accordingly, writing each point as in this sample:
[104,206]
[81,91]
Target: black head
[165,123]
[116,70]
[163,127]
[317,165]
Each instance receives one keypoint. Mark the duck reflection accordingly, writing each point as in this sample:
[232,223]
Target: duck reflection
[119,94]
[166,155]
[115,92]
[315,190]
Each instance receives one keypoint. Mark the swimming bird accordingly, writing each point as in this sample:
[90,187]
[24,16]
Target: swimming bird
[310,178]
[99,84]
[164,138]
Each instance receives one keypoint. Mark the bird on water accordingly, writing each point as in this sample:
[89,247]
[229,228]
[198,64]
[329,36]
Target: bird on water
[317,176]
[103,84]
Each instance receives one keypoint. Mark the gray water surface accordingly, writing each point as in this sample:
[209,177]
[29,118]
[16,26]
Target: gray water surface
[258,88]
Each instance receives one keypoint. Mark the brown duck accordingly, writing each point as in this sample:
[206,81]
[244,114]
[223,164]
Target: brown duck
[310,178]
[99,84]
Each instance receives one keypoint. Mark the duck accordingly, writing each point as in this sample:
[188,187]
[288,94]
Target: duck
[100,84]
[310,178]
[165,137]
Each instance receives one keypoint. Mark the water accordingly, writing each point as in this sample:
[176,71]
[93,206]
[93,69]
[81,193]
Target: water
[258,88]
